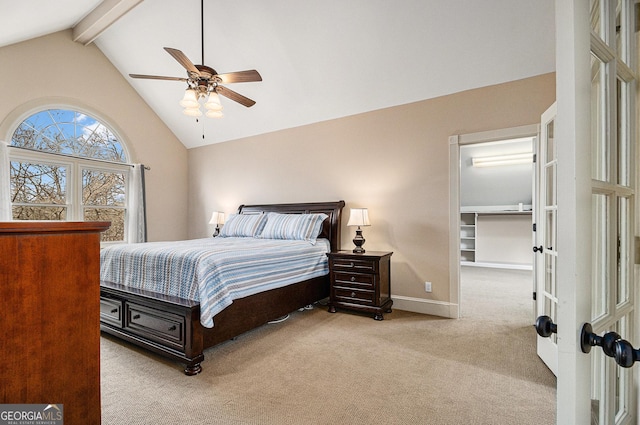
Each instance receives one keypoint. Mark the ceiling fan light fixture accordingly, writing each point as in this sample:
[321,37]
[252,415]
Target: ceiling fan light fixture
[213,103]
[214,114]
[190,99]
[192,112]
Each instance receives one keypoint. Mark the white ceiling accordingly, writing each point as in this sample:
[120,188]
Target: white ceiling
[319,60]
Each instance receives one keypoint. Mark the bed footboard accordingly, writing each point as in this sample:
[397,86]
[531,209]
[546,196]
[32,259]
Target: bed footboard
[169,326]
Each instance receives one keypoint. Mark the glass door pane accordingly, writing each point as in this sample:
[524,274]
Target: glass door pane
[600,269]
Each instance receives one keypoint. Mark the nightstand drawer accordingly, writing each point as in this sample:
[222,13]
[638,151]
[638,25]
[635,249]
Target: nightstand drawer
[155,324]
[354,280]
[111,311]
[353,295]
[360,266]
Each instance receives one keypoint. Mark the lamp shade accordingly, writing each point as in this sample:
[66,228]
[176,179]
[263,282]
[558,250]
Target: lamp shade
[213,103]
[192,112]
[358,217]
[213,114]
[217,218]
[190,99]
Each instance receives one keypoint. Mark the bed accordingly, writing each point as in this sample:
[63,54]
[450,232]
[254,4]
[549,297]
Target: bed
[168,323]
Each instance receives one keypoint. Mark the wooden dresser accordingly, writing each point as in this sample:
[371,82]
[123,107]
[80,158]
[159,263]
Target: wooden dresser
[50,316]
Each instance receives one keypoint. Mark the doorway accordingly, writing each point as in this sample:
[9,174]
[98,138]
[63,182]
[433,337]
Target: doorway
[490,223]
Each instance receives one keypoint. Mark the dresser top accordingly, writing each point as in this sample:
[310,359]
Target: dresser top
[38,227]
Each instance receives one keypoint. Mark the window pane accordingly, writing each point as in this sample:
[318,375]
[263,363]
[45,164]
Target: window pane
[550,190]
[596,22]
[70,133]
[551,310]
[600,255]
[622,375]
[38,183]
[598,377]
[25,212]
[550,230]
[103,188]
[115,233]
[624,250]
[599,151]
[550,147]
[624,148]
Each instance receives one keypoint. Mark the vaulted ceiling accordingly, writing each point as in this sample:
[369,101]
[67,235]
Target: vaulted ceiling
[319,60]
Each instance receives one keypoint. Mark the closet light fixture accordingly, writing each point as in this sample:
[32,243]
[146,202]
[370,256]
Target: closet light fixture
[499,160]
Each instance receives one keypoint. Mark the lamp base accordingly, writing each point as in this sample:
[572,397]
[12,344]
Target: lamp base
[358,241]
[217,231]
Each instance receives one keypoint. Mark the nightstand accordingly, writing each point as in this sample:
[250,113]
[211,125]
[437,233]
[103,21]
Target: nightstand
[361,282]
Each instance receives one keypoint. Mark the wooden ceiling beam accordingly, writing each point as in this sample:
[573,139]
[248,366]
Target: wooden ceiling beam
[101,18]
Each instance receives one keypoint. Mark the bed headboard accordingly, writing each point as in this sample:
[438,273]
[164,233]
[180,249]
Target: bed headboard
[330,227]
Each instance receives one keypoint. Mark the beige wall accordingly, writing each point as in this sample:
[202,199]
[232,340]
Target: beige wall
[55,71]
[392,161]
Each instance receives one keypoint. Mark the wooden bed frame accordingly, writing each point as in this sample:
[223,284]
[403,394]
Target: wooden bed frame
[170,326]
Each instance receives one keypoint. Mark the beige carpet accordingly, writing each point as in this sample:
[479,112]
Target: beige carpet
[342,368]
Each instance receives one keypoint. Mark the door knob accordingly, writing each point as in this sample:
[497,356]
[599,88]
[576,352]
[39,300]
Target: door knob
[625,354]
[545,326]
[588,339]
[538,249]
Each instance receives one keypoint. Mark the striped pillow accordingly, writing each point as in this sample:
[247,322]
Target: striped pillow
[243,225]
[304,227]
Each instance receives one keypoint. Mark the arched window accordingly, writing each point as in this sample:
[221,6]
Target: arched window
[69,166]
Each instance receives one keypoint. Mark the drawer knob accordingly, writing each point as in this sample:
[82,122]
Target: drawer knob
[351,265]
[353,278]
[115,310]
[172,328]
[353,295]
[137,316]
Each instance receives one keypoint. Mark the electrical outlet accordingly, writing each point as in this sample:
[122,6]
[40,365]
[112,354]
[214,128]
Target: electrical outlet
[427,286]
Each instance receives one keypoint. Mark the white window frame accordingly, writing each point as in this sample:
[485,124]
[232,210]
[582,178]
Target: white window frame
[75,166]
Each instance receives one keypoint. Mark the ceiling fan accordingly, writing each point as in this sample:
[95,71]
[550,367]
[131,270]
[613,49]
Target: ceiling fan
[205,83]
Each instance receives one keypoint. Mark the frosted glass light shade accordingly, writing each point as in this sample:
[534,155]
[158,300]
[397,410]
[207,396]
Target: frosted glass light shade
[359,217]
[192,112]
[214,114]
[190,99]
[213,103]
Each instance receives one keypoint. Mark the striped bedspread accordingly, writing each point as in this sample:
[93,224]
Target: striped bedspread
[213,271]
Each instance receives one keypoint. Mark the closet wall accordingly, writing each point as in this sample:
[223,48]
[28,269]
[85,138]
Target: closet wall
[496,204]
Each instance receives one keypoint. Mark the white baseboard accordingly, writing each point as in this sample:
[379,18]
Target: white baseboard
[420,305]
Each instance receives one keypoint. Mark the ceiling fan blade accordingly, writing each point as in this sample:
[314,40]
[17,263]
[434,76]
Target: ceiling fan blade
[182,59]
[235,96]
[157,77]
[240,77]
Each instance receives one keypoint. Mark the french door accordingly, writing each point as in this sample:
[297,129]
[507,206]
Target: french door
[545,246]
[595,142]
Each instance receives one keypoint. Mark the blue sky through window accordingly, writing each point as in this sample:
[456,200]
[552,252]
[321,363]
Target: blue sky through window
[68,132]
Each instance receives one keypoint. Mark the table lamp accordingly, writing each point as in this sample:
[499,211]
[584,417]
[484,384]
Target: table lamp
[217,218]
[358,217]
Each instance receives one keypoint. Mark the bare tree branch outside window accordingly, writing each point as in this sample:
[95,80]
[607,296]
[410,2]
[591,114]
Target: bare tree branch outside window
[39,189]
